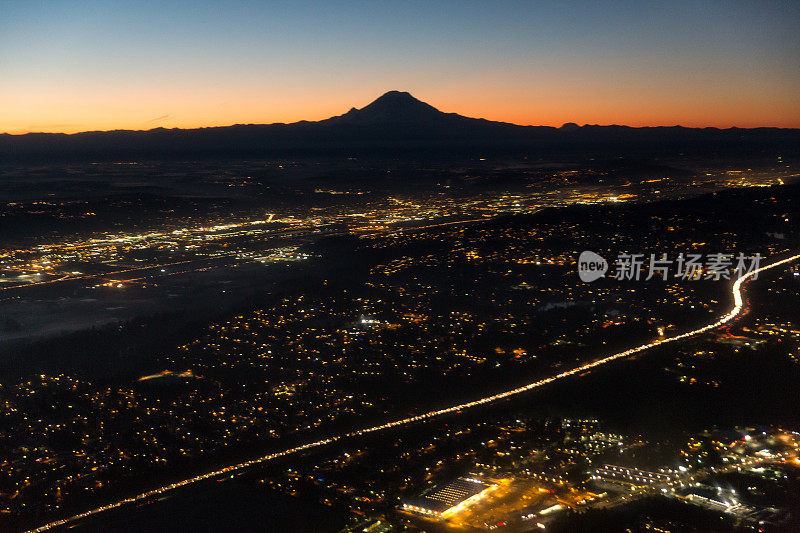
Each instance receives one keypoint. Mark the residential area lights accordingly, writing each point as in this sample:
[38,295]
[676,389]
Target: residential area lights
[737,308]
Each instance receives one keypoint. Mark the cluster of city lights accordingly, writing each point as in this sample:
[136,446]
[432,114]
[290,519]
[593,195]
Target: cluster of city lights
[737,308]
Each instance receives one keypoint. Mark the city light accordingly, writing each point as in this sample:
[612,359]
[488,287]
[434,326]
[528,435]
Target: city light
[735,311]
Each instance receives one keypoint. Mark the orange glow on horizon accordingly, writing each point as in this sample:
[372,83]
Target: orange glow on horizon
[131,109]
[106,65]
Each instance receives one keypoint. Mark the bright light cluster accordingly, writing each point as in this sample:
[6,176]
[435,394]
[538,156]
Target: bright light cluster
[737,308]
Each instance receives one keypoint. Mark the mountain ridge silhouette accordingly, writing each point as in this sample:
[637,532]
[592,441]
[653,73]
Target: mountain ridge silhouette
[394,122]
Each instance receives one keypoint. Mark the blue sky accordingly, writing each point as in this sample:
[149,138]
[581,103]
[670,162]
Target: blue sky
[97,65]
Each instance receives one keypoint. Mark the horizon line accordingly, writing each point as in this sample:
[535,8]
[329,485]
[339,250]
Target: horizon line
[23,132]
[247,124]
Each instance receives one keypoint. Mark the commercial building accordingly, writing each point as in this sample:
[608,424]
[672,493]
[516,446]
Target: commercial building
[446,499]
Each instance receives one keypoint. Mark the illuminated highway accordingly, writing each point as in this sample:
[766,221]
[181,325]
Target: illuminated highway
[735,311]
[97,276]
[203,232]
[412,229]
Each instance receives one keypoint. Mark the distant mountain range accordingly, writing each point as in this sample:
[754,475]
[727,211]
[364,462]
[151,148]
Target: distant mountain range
[398,123]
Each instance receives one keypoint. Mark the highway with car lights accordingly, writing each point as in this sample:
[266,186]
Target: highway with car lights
[736,289]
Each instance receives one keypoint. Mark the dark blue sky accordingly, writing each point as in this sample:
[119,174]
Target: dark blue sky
[72,65]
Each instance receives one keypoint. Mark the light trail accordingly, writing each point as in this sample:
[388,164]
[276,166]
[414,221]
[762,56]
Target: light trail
[69,277]
[411,229]
[101,275]
[737,308]
[93,276]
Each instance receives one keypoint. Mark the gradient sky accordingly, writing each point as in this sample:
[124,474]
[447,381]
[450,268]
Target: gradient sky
[74,66]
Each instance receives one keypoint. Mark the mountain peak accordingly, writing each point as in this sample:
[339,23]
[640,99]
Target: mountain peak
[396,96]
[392,107]
[396,104]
